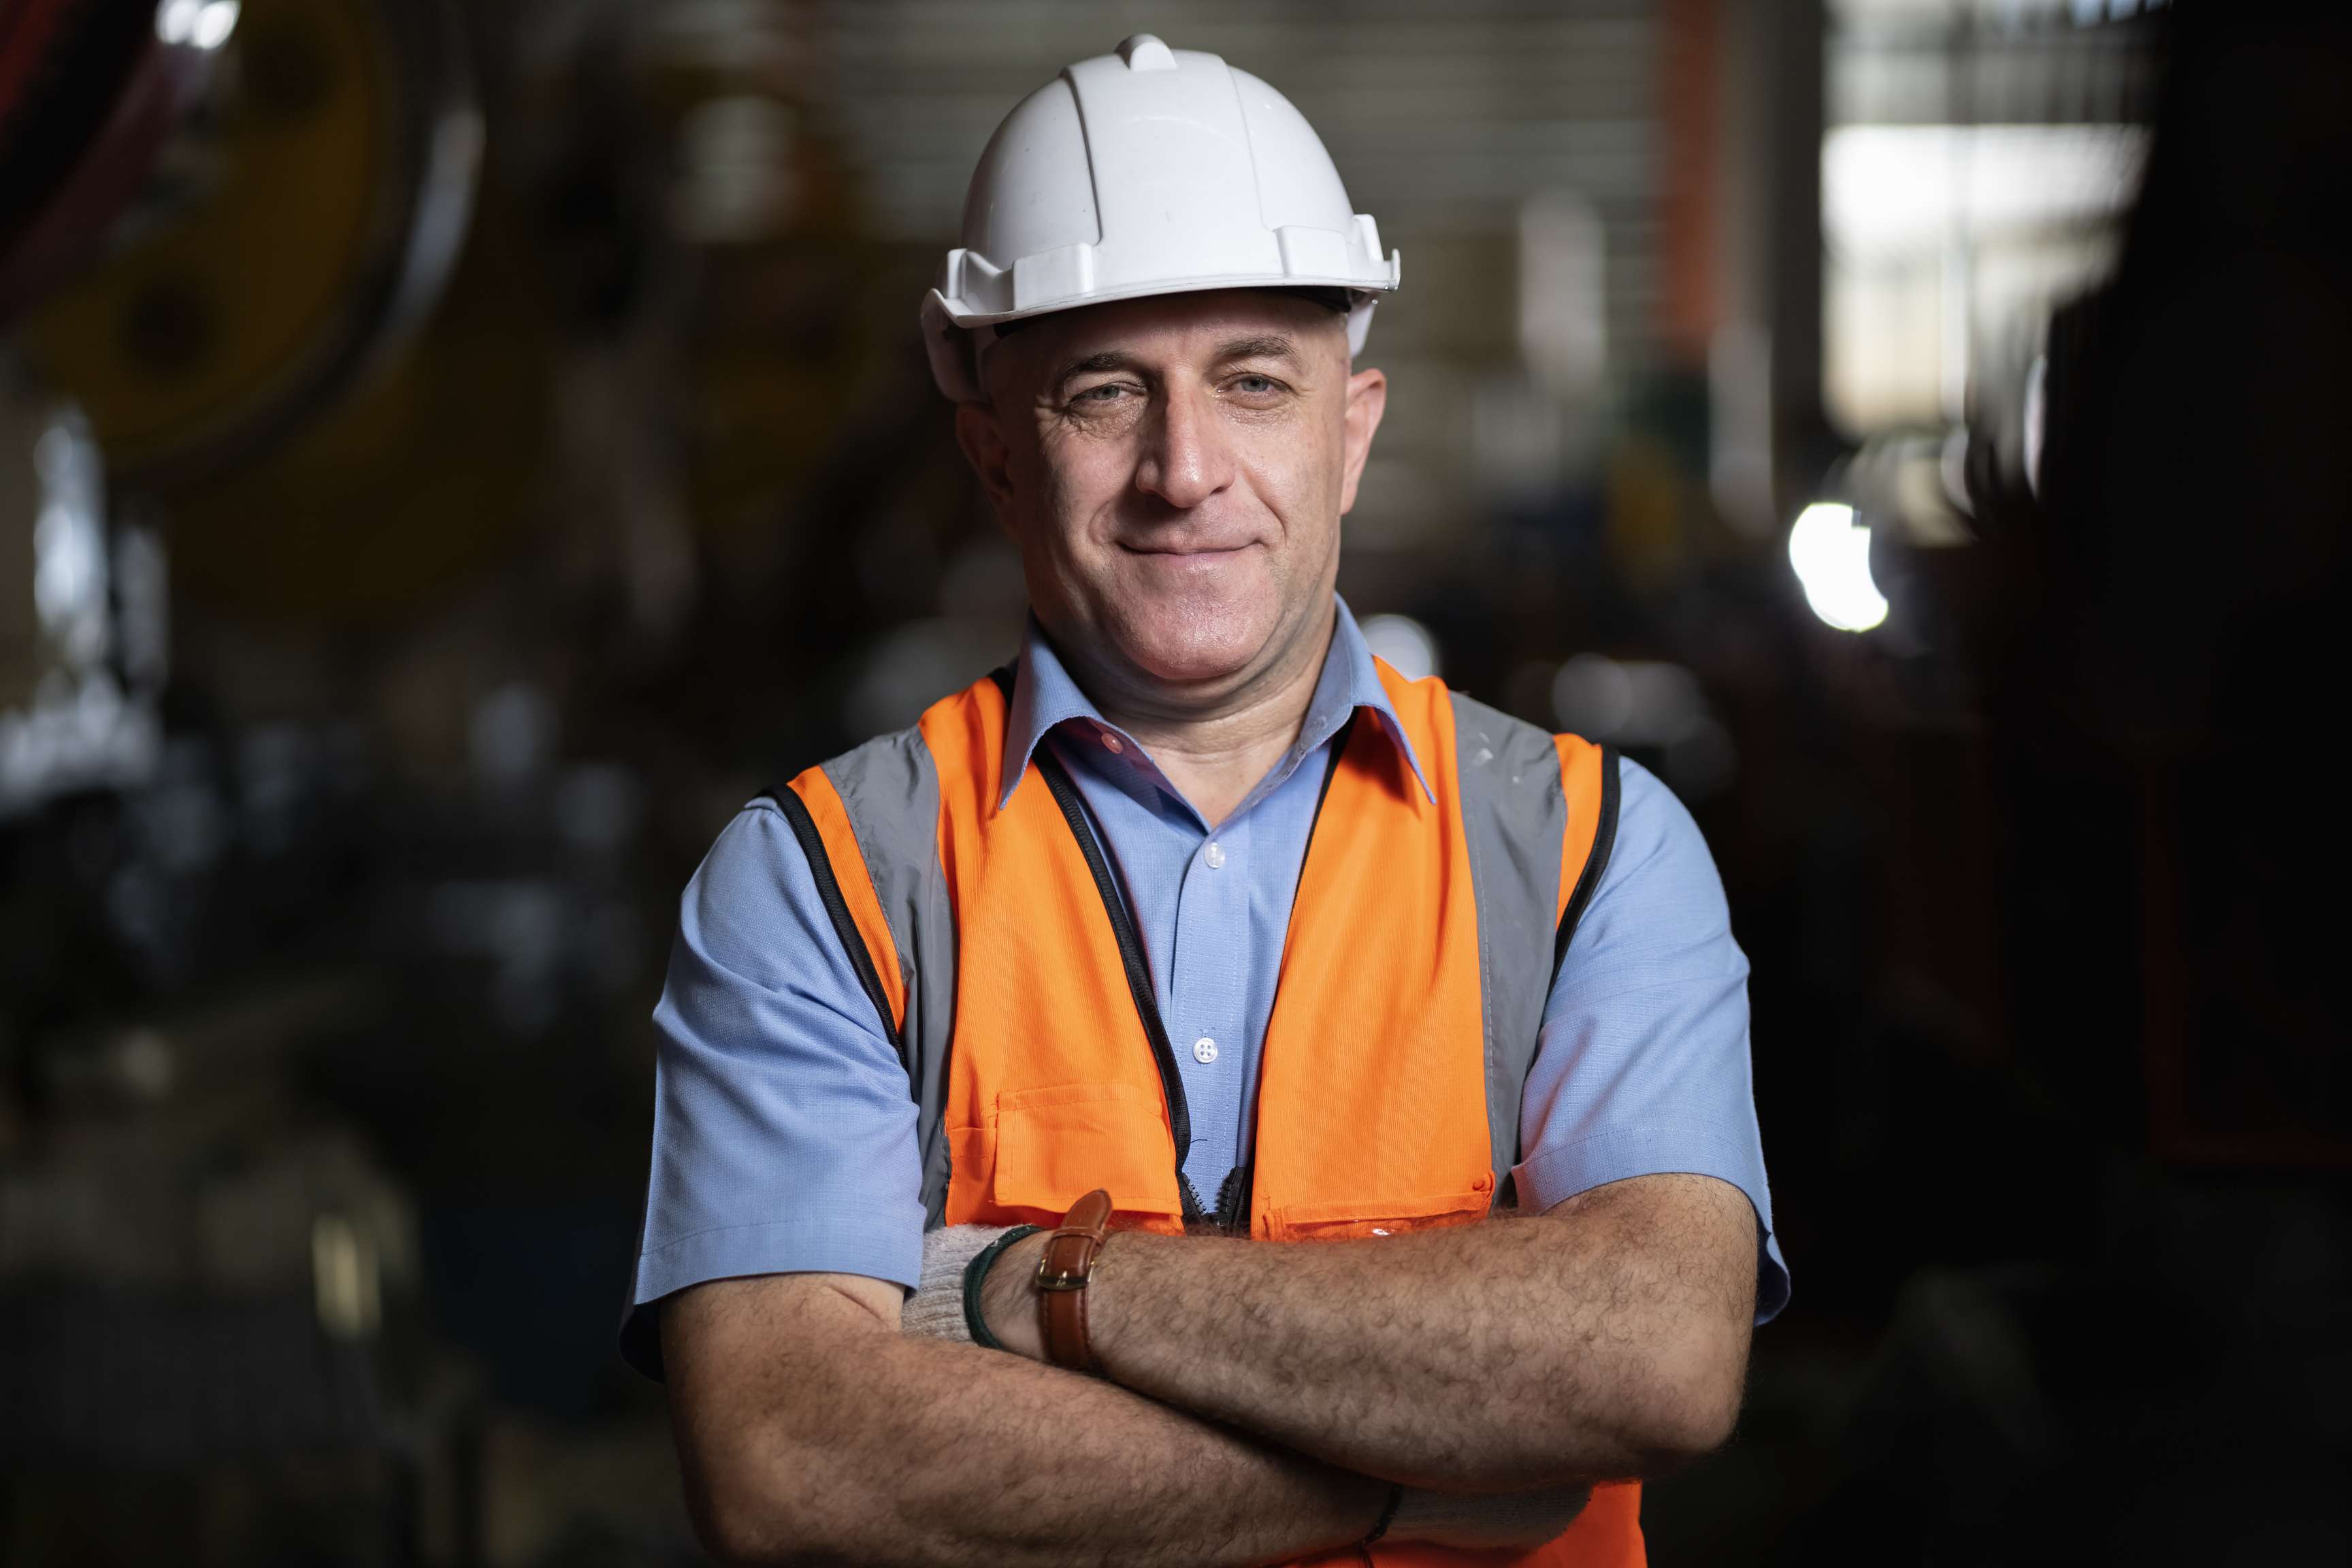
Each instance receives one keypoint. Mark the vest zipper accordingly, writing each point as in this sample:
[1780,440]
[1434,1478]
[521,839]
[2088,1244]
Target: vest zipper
[1233,1209]
[1234,1199]
[1139,973]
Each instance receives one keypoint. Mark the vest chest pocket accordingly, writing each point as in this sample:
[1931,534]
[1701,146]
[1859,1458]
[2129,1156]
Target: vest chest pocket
[1056,1146]
[1379,1216]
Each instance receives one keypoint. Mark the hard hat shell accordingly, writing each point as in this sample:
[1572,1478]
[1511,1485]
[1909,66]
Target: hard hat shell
[1148,171]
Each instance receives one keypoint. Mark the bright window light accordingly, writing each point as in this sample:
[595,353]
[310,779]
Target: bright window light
[205,24]
[215,23]
[1830,552]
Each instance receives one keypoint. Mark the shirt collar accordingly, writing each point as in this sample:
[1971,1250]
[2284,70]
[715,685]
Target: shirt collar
[1043,695]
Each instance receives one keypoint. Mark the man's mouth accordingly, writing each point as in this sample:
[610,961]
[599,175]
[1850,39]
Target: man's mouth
[1188,551]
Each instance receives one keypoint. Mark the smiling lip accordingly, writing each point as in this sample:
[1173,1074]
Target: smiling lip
[1186,552]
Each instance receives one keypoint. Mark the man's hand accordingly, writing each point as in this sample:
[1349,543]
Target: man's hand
[1605,1338]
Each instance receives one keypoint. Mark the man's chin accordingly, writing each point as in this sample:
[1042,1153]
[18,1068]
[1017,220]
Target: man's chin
[1192,657]
[1192,667]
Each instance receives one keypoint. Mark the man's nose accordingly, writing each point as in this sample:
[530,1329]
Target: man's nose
[1186,457]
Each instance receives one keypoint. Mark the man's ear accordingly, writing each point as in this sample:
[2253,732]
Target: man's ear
[1368,399]
[982,436]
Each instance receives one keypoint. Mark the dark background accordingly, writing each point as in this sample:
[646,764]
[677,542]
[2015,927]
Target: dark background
[451,456]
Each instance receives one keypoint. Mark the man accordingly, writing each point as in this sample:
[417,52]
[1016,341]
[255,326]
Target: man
[1375,1217]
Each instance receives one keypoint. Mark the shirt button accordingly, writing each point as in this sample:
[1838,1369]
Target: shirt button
[1215,856]
[1204,1050]
[1110,743]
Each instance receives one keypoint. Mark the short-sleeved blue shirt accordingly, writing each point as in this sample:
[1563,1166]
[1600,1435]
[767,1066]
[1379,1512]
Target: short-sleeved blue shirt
[784,1132]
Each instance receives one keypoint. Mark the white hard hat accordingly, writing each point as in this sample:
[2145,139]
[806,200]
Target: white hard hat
[1150,171]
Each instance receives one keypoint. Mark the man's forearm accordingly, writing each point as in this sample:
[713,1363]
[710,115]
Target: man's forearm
[1602,1339]
[916,1451]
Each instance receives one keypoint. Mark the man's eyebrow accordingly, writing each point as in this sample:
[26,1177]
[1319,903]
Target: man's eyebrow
[1109,359]
[1273,346]
[1269,345]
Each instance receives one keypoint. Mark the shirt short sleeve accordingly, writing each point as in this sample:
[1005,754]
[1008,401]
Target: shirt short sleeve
[1643,1068]
[783,1129]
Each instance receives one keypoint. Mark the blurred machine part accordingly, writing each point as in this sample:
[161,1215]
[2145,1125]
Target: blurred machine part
[276,192]
[1975,167]
[1978,164]
[202,1283]
[217,218]
[83,608]
[91,94]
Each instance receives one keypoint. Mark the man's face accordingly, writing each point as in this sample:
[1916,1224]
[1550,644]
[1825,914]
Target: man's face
[1174,469]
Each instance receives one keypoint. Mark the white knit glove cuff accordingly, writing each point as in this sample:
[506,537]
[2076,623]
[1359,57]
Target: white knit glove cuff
[936,1309]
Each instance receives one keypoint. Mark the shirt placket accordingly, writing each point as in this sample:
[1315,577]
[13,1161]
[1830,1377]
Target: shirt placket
[1206,997]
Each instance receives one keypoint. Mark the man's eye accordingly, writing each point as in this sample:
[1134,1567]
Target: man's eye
[1253,385]
[1109,392]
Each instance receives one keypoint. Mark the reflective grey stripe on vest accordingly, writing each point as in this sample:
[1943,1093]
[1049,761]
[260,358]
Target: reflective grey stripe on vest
[1513,809]
[891,787]
[1515,815]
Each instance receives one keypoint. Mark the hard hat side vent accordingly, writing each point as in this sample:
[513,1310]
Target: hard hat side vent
[1314,252]
[1065,274]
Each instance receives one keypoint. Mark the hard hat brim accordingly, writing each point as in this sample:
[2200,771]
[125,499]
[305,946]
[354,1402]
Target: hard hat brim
[959,314]
[947,332]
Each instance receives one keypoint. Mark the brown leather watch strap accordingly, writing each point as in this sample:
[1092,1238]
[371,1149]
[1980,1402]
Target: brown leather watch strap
[1063,1271]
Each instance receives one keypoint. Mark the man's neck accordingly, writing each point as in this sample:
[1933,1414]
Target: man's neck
[1218,755]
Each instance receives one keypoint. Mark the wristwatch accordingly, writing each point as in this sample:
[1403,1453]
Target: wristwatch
[1063,1270]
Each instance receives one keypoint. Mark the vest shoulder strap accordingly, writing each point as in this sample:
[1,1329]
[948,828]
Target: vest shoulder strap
[1589,774]
[1539,814]
[896,921]
[850,904]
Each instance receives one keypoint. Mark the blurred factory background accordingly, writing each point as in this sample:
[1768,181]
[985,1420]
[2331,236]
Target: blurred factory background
[452,454]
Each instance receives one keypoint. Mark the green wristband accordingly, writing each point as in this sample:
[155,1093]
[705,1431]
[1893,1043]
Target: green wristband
[975,1274]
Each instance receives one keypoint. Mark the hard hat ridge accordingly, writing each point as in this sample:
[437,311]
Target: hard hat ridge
[1146,170]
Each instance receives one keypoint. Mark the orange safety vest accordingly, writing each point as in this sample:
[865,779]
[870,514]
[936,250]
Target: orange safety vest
[1041,1065]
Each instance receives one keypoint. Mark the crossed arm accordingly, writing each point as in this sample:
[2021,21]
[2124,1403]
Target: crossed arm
[1260,1396]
